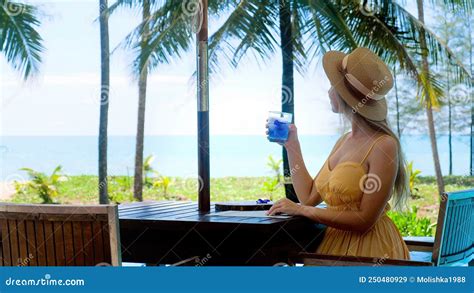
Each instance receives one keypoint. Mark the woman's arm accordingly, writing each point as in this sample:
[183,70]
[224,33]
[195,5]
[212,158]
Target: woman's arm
[301,179]
[382,169]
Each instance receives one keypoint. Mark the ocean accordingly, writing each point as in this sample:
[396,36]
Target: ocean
[177,155]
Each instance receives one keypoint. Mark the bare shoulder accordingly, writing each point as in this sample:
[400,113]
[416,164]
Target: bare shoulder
[386,148]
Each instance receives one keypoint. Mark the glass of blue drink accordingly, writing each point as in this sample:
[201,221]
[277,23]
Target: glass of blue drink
[278,126]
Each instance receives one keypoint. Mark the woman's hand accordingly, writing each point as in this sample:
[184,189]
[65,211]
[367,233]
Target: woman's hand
[285,206]
[292,136]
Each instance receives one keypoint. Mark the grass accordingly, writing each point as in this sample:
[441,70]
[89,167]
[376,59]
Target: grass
[420,219]
[83,190]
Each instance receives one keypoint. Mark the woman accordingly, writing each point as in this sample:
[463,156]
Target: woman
[364,170]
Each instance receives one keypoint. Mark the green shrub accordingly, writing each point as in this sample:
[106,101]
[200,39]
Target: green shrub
[449,180]
[46,187]
[410,225]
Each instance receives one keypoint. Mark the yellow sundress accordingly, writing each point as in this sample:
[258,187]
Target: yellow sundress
[341,191]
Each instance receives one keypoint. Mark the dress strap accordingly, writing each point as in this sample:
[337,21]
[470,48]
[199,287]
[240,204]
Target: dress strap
[371,147]
[338,143]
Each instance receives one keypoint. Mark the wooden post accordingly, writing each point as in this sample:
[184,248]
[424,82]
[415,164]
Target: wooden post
[204,201]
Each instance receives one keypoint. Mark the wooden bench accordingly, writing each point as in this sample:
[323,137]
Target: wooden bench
[59,235]
[453,244]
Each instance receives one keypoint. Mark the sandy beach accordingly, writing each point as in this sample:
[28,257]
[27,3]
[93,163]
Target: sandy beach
[6,190]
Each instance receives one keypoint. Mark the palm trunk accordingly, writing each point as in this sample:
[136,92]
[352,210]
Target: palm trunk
[471,166]
[429,106]
[287,103]
[142,87]
[397,101]
[104,101]
[450,124]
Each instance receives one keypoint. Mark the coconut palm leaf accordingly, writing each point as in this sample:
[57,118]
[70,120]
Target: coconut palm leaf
[171,34]
[395,35]
[251,25]
[328,28]
[20,41]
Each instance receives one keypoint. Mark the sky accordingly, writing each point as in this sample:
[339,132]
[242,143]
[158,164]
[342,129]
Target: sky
[64,98]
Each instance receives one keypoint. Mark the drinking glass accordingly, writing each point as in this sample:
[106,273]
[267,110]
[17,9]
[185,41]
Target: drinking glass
[278,126]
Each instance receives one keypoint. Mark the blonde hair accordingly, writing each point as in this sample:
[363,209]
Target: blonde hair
[401,190]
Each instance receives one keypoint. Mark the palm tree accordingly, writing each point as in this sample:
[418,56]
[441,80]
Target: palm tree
[142,85]
[471,85]
[104,98]
[388,29]
[139,40]
[312,28]
[20,42]
[429,101]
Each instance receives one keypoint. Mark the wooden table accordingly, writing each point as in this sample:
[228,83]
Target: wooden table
[167,232]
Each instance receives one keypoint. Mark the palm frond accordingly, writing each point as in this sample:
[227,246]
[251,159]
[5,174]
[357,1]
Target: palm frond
[251,25]
[170,34]
[327,28]
[20,41]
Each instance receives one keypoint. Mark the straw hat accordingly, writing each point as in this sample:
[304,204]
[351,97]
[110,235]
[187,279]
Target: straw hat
[362,80]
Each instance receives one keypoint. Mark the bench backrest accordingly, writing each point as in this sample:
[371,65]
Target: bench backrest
[454,239]
[59,235]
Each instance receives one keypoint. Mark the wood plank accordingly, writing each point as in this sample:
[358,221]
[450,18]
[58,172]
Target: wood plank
[155,204]
[69,243]
[40,244]
[59,243]
[7,261]
[106,237]
[31,239]
[148,209]
[88,244]
[1,247]
[49,244]
[98,242]
[53,209]
[14,246]
[148,202]
[168,214]
[22,243]
[78,244]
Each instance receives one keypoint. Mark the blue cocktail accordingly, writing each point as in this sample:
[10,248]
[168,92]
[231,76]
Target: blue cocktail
[278,126]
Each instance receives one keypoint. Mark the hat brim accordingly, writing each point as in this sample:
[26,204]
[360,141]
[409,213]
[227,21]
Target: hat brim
[332,62]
